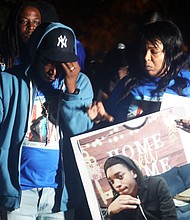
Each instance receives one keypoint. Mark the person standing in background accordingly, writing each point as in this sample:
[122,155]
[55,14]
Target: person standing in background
[21,22]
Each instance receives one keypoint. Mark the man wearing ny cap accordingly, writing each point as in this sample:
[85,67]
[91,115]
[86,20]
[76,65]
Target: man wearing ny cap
[42,105]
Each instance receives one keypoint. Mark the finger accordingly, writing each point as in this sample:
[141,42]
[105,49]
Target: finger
[92,112]
[129,199]
[186,129]
[130,206]
[69,66]
[108,117]
[101,108]
[89,107]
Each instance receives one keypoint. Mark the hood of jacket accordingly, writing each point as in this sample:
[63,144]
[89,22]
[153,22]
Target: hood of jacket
[133,166]
[39,34]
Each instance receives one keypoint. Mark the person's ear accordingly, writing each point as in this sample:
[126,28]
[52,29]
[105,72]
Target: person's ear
[134,174]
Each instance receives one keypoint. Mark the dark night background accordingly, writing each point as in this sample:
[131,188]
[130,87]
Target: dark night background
[101,24]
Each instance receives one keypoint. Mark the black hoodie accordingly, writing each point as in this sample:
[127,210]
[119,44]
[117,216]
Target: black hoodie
[156,201]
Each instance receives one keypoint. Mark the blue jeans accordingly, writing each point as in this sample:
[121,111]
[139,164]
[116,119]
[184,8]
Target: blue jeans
[36,204]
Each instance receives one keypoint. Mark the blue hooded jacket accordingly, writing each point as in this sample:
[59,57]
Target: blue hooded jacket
[17,92]
[140,100]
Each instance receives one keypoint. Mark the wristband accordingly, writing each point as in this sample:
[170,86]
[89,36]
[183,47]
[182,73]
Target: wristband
[76,92]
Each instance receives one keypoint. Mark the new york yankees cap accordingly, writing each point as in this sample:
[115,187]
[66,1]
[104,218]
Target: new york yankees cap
[58,45]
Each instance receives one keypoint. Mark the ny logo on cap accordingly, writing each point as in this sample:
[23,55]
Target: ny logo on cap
[62,41]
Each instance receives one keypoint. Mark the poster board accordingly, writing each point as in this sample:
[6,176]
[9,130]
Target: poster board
[152,141]
[180,102]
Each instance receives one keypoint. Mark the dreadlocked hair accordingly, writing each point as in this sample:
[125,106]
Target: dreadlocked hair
[10,45]
[10,48]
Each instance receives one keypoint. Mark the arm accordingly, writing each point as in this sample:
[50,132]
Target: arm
[112,110]
[73,107]
[123,202]
[167,206]
[72,71]
[97,112]
[116,107]
[1,107]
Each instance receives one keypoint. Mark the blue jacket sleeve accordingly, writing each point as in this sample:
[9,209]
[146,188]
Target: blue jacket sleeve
[73,108]
[1,104]
[115,106]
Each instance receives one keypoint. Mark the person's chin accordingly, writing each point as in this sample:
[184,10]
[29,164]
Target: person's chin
[151,74]
[124,192]
[25,38]
[50,80]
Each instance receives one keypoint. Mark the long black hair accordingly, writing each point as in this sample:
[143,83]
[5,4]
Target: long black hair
[170,36]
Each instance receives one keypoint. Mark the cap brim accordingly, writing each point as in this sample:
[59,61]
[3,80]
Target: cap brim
[59,56]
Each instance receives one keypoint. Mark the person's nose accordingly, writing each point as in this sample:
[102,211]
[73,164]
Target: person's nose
[117,184]
[147,56]
[31,26]
[52,71]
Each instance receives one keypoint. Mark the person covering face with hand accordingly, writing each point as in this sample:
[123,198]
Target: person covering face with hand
[48,105]
[49,60]
[136,196]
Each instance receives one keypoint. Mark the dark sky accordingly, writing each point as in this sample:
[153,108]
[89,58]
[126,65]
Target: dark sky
[101,24]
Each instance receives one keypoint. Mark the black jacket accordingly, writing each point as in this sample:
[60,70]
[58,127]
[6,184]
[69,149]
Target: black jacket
[156,201]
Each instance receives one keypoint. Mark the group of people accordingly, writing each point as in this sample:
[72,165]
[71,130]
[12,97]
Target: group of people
[45,99]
